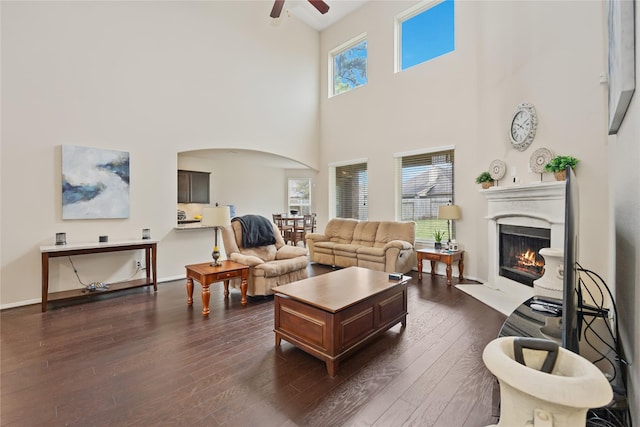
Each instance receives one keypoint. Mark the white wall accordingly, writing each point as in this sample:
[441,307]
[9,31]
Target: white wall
[548,53]
[153,79]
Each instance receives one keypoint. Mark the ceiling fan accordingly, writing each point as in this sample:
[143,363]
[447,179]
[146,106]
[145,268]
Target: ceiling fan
[318,4]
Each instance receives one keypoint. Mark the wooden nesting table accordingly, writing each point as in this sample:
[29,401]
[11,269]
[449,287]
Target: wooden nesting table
[332,315]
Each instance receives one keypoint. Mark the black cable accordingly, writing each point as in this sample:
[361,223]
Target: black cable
[96,286]
[613,305]
[76,271]
[615,419]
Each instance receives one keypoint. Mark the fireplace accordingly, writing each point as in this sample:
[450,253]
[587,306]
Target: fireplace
[533,212]
[519,257]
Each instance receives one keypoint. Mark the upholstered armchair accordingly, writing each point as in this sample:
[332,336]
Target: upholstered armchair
[270,265]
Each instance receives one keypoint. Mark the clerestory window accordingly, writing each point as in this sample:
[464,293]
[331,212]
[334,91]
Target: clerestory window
[348,66]
[424,32]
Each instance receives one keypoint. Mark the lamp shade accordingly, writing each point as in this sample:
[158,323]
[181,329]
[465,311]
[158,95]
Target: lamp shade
[216,217]
[449,212]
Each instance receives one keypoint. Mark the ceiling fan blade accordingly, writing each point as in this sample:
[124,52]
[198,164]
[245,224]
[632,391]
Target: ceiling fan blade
[277,8]
[320,5]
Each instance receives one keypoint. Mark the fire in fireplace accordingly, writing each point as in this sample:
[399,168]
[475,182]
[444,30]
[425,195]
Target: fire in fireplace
[519,252]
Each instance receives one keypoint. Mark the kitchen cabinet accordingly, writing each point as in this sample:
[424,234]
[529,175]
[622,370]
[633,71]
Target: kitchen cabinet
[193,187]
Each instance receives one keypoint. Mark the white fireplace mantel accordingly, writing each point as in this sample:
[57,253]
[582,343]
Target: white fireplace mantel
[544,201]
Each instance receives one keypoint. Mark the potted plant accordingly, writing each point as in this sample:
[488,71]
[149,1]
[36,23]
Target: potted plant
[438,235]
[485,179]
[558,166]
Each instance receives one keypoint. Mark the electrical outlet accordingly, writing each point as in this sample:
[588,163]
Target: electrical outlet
[139,263]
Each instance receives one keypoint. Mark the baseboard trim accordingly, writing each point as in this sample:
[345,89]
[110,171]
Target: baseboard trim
[39,300]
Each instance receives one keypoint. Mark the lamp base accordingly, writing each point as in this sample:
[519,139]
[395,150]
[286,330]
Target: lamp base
[216,261]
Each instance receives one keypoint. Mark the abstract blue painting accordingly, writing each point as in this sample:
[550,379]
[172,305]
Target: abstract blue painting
[95,183]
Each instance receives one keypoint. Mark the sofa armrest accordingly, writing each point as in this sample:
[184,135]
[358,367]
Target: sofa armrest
[317,237]
[249,260]
[398,244]
[288,252]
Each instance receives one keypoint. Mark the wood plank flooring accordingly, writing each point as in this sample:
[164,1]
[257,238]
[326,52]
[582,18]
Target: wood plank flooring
[141,358]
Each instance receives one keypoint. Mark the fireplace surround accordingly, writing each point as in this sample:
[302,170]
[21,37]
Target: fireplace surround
[538,205]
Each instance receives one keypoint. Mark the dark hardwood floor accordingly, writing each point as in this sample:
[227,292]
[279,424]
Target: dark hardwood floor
[143,358]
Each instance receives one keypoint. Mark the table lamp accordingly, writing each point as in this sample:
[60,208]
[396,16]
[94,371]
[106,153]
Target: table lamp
[449,212]
[216,217]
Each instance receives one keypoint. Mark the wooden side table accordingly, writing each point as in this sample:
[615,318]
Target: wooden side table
[438,256]
[207,274]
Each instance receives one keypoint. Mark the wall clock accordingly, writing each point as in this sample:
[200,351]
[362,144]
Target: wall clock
[523,126]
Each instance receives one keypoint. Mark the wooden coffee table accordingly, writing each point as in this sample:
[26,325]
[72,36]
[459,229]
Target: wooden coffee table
[207,274]
[332,315]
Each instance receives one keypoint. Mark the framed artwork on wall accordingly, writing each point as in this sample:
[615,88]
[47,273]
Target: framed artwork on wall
[621,59]
[95,183]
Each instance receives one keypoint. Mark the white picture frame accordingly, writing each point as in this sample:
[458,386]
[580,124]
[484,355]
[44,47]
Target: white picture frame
[621,59]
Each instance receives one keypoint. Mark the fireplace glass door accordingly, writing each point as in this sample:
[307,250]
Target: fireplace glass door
[519,248]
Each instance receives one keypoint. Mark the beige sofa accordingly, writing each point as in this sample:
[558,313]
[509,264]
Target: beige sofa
[378,245]
[270,265]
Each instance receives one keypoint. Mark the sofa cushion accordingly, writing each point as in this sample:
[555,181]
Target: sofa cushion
[265,253]
[393,230]
[375,251]
[346,250]
[288,251]
[364,234]
[340,230]
[280,267]
[325,247]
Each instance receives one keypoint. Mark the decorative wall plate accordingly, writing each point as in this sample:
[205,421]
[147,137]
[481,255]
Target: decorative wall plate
[539,159]
[497,169]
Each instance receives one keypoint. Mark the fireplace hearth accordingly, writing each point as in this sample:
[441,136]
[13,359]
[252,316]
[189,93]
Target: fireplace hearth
[519,257]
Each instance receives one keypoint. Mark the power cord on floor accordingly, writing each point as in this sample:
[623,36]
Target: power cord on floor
[603,417]
[97,286]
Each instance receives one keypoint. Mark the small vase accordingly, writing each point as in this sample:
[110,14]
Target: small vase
[487,184]
[560,175]
[438,245]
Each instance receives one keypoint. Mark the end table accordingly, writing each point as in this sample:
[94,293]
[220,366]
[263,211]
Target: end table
[207,274]
[447,257]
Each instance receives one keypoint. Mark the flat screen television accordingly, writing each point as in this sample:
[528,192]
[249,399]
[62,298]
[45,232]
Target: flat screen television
[570,328]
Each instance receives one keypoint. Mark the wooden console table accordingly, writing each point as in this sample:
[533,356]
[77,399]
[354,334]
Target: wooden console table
[439,256]
[150,247]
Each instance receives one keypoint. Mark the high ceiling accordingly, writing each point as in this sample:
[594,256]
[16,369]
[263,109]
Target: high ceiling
[304,11]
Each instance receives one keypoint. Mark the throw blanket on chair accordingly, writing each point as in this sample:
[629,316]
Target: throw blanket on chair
[256,231]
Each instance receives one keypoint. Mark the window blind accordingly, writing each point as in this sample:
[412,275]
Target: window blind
[427,184]
[352,191]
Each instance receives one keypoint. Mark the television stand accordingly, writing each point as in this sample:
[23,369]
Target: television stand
[529,322]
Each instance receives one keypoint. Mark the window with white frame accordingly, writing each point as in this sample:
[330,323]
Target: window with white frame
[424,32]
[300,195]
[352,191]
[426,184]
[348,66]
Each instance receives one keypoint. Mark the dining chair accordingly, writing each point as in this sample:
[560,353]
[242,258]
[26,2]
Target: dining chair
[281,223]
[302,226]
